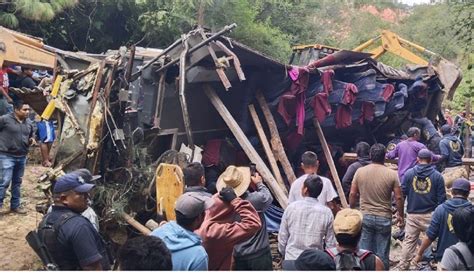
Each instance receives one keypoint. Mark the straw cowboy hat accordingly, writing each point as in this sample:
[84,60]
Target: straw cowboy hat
[236,177]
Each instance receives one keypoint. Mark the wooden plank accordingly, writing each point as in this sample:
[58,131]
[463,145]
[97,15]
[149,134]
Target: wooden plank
[332,167]
[275,140]
[159,100]
[280,194]
[266,146]
[131,221]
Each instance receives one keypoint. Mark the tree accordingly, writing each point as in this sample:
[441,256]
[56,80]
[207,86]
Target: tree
[35,10]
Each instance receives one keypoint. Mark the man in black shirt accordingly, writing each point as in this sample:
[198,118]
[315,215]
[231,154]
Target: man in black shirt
[16,135]
[77,246]
[25,79]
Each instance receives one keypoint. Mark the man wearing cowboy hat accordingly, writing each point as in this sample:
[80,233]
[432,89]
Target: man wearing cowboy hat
[230,221]
[254,253]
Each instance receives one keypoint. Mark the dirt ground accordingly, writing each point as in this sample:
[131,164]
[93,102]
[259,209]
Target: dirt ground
[15,253]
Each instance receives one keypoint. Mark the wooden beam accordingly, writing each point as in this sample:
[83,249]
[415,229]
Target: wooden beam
[280,194]
[131,221]
[332,167]
[275,140]
[266,146]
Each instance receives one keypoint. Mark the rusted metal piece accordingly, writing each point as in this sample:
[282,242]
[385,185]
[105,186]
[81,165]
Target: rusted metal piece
[96,88]
[134,76]
[110,81]
[280,194]
[266,146]
[159,100]
[131,58]
[182,95]
[275,140]
[330,161]
[234,58]
[75,123]
[219,67]
[198,46]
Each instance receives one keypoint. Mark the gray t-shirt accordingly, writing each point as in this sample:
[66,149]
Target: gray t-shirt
[451,261]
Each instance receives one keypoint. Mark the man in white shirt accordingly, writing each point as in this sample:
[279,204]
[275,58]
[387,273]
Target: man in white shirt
[306,223]
[310,165]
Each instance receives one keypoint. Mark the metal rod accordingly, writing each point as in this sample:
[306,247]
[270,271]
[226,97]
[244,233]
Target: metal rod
[198,46]
[139,71]
[182,95]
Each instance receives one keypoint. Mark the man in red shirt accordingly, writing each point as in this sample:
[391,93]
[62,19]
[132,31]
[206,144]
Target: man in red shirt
[5,100]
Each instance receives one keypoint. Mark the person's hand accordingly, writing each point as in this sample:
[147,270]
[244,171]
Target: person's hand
[400,221]
[417,258]
[227,194]
[256,179]
[33,142]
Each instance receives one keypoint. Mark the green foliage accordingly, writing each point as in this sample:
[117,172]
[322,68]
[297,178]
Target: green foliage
[269,26]
[12,11]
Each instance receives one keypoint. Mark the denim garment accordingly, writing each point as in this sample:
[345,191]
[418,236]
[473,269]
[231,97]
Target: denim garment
[11,170]
[376,233]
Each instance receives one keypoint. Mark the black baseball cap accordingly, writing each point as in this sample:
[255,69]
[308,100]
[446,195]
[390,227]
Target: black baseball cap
[311,259]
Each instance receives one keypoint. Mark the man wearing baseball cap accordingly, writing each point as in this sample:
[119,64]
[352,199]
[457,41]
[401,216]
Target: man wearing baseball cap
[423,187]
[441,226]
[89,213]
[347,255]
[185,245]
[76,245]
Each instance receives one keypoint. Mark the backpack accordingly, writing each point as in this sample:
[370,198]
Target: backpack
[461,257]
[44,241]
[347,260]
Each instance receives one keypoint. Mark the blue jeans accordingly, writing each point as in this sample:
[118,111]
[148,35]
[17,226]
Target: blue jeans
[11,170]
[376,233]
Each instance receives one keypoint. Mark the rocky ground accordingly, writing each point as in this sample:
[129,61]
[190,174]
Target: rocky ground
[15,253]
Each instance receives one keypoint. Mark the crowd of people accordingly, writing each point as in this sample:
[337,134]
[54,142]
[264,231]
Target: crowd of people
[427,197]
[227,230]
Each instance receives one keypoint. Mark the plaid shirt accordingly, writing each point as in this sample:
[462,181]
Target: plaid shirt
[306,224]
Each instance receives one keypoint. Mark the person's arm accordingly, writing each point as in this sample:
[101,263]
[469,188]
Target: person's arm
[441,190]
[379,266]
[97,266]
[2,122]
[399,202]
[431,234]
[283,234]
[444,151]
[393,154]
[405,183]
[330,237]
[236,232]
[5,93]
[347,179]
[262,198]
[202,264]
[353,195]
[85,245]
[424,245]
